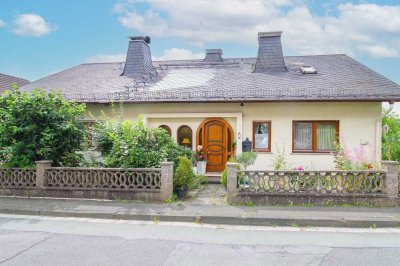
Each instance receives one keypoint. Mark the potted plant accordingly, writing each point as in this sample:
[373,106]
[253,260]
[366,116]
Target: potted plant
[183,176]
[201,160]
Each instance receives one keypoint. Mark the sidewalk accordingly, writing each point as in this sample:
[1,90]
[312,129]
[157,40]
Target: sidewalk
[209,214]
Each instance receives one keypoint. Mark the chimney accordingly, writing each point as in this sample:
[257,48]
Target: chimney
[213,55]
[138,59]
[270,55]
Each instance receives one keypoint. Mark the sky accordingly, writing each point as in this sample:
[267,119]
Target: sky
[42,37]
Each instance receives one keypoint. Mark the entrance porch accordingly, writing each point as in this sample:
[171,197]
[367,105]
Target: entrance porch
[215,132]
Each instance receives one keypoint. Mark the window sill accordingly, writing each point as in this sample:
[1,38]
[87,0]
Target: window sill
[263,152]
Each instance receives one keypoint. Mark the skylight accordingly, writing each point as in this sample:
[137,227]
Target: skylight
[308,70]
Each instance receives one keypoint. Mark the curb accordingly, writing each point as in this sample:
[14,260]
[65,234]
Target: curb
[222,220]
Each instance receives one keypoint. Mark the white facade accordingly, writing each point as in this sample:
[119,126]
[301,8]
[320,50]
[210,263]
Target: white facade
[359,124]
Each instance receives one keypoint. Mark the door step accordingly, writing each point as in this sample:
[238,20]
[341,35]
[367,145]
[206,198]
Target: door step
[213,177]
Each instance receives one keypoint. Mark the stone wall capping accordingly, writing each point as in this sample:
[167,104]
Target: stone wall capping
[148,184]
[372,187]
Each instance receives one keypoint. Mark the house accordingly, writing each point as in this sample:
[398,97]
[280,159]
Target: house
[299,104]
[6,82]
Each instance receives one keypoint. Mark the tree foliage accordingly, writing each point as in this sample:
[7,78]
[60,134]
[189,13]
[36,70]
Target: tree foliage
[130,144]
[38,126]
[391,138]
[246,159]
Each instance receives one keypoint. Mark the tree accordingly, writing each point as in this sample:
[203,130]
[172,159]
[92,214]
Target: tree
[391,137]
[38,126]
[130,144]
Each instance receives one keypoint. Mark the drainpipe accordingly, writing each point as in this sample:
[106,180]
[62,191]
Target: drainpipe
[378,138]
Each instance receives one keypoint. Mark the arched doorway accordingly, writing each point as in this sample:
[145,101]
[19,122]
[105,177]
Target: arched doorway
[216,137]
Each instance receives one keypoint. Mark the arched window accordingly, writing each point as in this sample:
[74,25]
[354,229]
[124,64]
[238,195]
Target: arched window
[185,136]
[166,128]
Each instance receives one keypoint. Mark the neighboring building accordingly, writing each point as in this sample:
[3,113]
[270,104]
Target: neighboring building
[6,82]
[295,103]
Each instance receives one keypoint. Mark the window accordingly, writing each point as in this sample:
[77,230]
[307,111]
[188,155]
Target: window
[185,136]
[314,136]
[166,128]
[262,136]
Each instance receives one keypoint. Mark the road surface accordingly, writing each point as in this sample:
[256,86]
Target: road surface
[30,240]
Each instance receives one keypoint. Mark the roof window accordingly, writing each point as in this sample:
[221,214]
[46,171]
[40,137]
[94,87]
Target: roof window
[308,70]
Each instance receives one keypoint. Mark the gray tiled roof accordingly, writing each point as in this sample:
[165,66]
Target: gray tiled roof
[339,78]
[6,81]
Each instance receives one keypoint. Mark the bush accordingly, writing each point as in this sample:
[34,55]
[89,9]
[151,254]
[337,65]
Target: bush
[197,181]
[38,126]
[279,160]
[130,144]
[391,138]
[246,158]
[184,173]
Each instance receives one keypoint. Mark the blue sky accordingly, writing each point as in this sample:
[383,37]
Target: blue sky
[41,37]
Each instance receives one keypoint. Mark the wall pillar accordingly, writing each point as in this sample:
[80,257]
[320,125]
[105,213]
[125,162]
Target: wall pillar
[41,167]
[391,182]
[232,180]
[167,184]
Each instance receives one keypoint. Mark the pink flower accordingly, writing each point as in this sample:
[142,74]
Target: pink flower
[300,168]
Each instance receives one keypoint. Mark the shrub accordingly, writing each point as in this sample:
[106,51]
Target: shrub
[279,161]
[246,158]
[72,159]
[391,137]
[130,144]
[184,173]
[38,126]
[197,181]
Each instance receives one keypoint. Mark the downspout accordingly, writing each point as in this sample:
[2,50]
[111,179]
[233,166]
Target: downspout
[378,138]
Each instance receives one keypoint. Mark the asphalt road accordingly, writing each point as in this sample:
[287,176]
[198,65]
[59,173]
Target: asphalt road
[28,240]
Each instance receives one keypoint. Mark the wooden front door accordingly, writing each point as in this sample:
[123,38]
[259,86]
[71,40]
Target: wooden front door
[215,145]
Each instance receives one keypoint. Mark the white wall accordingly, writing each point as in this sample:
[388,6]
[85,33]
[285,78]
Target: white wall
[358,122]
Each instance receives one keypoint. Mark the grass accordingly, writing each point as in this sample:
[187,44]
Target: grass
[120,200]
[172,199]
[29,194]
[155,219]
[247,203]
[290,203]
[197,220]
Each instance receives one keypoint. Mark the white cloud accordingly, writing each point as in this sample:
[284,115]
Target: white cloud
[380,51]
[2,23]
[178,54]
[32,25]
[106,58]
[367,29]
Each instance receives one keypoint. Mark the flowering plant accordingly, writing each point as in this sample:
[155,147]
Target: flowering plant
[345,160]
[200,156]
